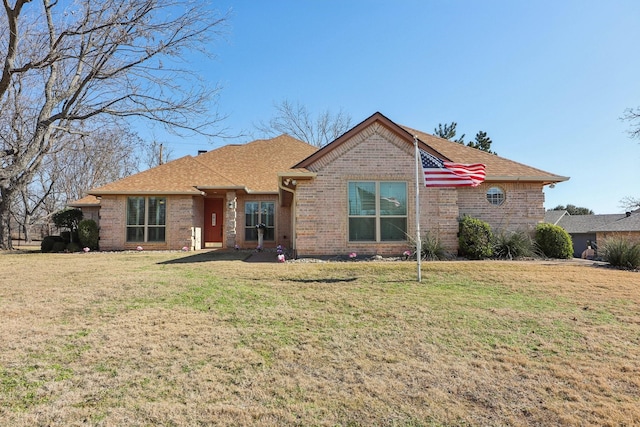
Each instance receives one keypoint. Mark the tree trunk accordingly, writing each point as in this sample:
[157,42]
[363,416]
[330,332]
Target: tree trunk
[5,219]
[26,228]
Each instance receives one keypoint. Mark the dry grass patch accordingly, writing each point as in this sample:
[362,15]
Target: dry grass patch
[139,339]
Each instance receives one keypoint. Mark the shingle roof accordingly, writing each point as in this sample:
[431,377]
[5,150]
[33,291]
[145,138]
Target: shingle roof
[497,168]
[85,201]
[626,223]
[252,167]
[576,224]
[552,217]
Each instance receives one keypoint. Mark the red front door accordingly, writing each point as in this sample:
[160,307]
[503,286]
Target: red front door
[213,222]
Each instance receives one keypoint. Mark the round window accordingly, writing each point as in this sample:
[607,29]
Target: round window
[495,196]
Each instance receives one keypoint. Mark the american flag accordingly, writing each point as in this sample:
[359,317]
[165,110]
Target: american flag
[439,173]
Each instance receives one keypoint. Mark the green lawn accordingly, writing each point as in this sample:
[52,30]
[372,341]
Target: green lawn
[179,339]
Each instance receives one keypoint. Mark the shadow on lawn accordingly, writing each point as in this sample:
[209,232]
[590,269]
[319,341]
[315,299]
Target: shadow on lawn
[328,280]
[209,256]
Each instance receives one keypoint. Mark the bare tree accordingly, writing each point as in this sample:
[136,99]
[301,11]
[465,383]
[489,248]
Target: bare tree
[84,161]
[65,64]
[297,121]
[633,115]
[155,153]
[630,203]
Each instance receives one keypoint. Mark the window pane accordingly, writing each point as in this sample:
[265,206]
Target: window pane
[362,229]
[135,211]
[393,198]
[156,234]
[135,234]
[393,229]
[269,234]
[251,214]
[267,214]
[250,233]
[157,210]
[362,198]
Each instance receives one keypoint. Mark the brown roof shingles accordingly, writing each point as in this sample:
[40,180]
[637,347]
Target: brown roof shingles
[497,168]
[251,166]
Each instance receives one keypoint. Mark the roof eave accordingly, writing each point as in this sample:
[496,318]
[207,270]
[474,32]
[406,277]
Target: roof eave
[297,175]
[545,180]
[144,193]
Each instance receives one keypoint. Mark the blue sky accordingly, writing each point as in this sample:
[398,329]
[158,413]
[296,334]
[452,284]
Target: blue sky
[547,80]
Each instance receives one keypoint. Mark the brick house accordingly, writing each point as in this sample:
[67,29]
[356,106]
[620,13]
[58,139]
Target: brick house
[356,194]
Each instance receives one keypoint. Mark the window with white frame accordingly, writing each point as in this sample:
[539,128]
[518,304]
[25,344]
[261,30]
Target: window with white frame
[146,219]
[377,211]
[256,213]
[495,196]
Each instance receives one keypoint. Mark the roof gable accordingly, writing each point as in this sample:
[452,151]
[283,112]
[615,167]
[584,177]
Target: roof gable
[497,168]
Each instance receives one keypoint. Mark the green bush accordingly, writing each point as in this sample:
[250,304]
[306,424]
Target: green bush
[432,248]
[510,245]
[620,252]
[69,219]
[47,243]
[554,241]
[475,238]
[88,233]
[73,247]
[59,247]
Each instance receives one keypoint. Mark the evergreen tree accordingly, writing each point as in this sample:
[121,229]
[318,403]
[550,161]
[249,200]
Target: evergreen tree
[482,142]
[448,131]
[573,209]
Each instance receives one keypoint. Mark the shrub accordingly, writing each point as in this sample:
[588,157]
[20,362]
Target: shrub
[88,233]
[68,218]
[47,243]
[621,252]
[73,247]
[475,238]
[554,241]
[59,247]
[510,245]
[432,248]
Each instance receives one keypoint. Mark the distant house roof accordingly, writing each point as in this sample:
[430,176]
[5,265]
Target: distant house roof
[552,217]
[582,224]
[628,222]
[251,167]
[497,168]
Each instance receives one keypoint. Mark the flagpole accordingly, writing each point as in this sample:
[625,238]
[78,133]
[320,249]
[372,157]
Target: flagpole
[418,183]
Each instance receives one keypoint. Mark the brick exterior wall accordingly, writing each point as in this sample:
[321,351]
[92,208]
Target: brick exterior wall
[282,231]
[183,213]
[602,236]
[373,155]
[376,154]
[522,210]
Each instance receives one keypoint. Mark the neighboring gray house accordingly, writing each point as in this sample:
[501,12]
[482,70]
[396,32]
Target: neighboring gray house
[595,229]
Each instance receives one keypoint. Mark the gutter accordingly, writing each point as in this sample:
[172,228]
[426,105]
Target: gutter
[544,179]
[293,215]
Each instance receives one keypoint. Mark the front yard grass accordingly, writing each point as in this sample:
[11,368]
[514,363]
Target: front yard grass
[163,339]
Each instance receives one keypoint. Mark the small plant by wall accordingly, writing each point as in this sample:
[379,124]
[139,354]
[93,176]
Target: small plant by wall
[88,233]
[620,252]
[513,244]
